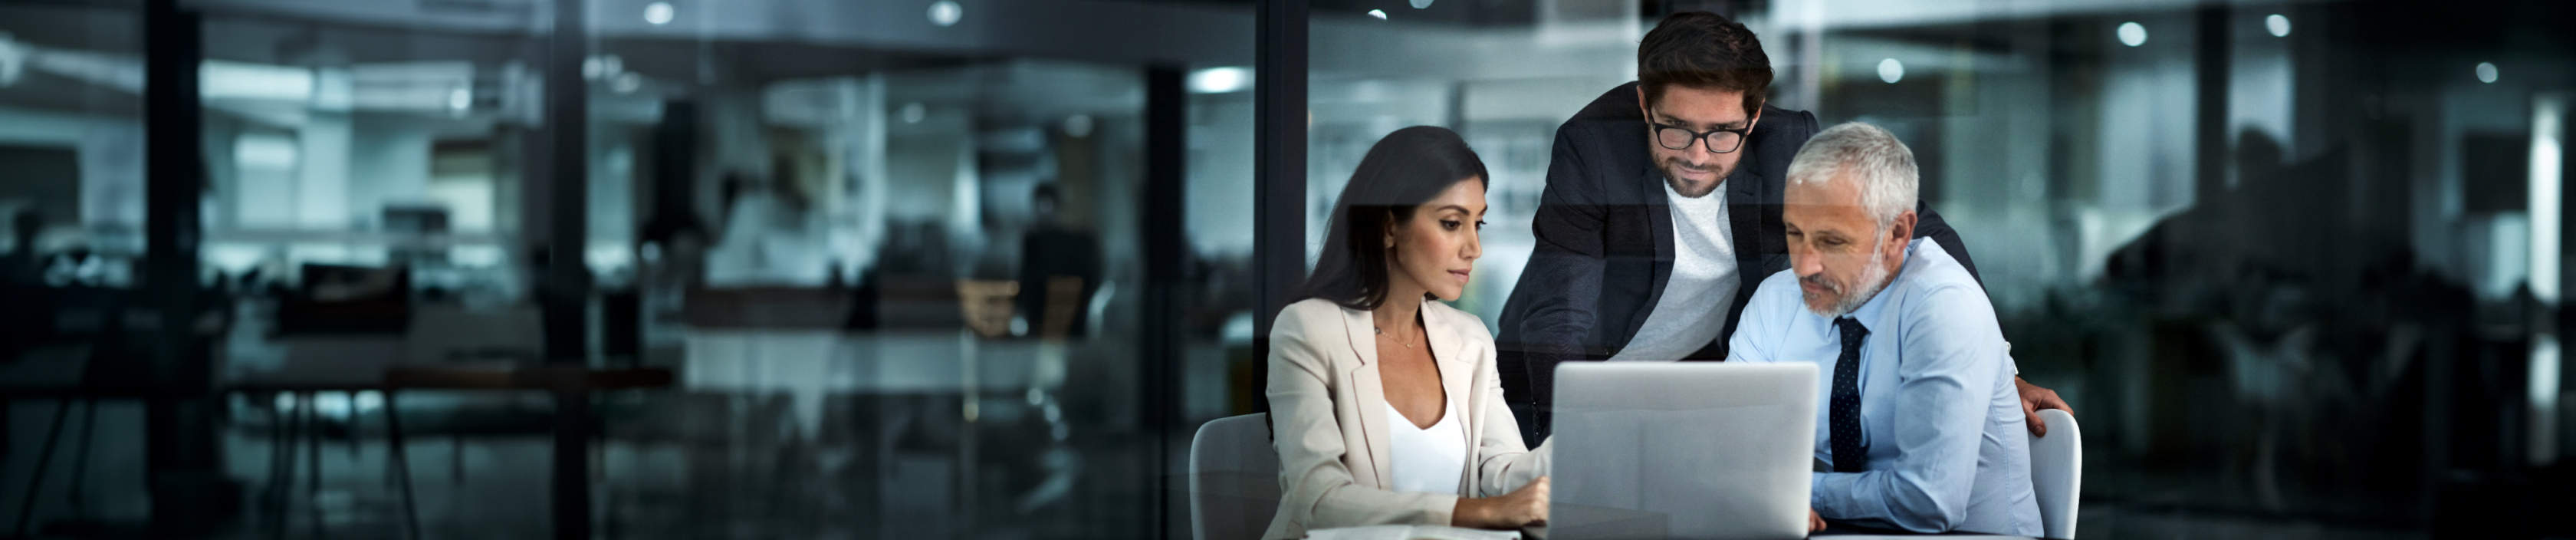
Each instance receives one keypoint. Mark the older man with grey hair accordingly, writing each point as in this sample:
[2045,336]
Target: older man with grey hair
[1921,428]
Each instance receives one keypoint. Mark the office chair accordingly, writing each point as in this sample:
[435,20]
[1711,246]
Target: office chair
[2057,473]
[1234,479]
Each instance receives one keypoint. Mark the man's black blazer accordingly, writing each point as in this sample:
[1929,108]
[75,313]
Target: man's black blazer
[1605,245]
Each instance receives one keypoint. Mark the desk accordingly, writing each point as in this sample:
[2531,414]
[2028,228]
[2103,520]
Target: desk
[808,365]
[571,385]
[1425,532]
[1541,534]
[71,376]
[1845,532]
[66,375]
[1403,532]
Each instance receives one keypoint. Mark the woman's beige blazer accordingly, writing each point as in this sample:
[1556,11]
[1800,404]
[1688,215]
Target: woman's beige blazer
[1328,419]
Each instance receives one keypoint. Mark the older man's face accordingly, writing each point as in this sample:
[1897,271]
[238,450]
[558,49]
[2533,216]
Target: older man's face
[1841,255]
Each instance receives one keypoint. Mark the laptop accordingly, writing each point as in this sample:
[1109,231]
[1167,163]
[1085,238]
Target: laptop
[1701,450]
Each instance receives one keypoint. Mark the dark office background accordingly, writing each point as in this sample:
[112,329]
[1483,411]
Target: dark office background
[979,268]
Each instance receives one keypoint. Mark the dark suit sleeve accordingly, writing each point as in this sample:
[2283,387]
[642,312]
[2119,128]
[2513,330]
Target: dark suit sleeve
[1928,224]
[1561,286]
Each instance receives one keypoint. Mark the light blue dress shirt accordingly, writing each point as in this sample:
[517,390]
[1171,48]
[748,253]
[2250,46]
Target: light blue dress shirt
[1939,414]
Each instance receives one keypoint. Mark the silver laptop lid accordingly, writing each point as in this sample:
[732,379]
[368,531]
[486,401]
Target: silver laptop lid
[1682,450]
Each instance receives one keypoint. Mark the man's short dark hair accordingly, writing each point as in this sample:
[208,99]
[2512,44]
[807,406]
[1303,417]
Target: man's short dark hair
[1703,50]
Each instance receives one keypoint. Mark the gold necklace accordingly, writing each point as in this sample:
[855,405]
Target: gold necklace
[1382,332]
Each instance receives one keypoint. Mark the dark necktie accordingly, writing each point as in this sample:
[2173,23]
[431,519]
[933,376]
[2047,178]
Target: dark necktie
[1849,456]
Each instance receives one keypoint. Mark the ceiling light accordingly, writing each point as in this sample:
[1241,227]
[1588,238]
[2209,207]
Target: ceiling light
[659,13]
[1219,80]
[913,112]
[13,59]
[2279,25]
[1379,13]
[2486,72]
[2133,34]
[219,79]
[460,99]
[1891,70]
[946,12]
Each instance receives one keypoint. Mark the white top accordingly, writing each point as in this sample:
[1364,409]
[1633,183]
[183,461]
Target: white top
[1693,308]
[1428,460]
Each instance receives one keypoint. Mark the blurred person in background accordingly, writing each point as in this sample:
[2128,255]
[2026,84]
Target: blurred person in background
[26,318]
[22,265]
[1053,253]
[770,232]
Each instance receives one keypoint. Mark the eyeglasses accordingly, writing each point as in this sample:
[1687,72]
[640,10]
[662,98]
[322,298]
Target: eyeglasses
[1719,141]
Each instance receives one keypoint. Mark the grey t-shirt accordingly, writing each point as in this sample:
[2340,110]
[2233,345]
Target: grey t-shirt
[1693,308]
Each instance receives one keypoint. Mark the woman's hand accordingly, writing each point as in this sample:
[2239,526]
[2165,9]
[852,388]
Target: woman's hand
[1815,522]
[1522,507]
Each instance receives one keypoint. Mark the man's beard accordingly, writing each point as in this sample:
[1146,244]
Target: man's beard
[1873,276]
[1672,176]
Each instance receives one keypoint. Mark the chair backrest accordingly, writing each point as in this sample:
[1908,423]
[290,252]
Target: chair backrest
[2057,472]
[1234,479]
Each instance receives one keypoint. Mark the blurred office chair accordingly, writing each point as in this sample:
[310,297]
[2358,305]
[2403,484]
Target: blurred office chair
[341,300]
[1234,479]
[2057,473]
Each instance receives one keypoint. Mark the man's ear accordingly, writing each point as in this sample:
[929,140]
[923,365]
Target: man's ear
[1641,103]
[1901,231]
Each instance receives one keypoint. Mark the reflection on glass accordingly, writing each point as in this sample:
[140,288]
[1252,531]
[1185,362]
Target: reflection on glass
[71,138]
[904,292]
[2264,278]
[71,242]
[364,189]
[2297,265]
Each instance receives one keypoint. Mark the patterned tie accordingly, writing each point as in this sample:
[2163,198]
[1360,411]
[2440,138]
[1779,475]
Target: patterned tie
[1848,453]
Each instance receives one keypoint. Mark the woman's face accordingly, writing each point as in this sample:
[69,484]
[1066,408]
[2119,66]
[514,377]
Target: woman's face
[1437,249]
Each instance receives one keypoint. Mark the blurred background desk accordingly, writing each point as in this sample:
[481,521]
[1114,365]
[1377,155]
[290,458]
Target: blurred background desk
[306,424]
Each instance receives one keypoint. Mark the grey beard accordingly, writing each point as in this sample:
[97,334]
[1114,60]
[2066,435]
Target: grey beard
[1874,275]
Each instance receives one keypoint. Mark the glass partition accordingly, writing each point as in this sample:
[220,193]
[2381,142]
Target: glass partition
[368,187]
[1503,75]
[71,240]
[983,268]
[2282,264]
[71,139]
[903,288]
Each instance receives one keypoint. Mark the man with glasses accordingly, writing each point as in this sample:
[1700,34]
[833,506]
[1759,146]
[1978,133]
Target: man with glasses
[1649,246]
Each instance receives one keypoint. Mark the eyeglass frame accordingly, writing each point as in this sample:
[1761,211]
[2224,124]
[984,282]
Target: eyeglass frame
[1656,129]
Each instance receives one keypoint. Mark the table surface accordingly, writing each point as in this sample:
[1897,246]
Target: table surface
[1540,533]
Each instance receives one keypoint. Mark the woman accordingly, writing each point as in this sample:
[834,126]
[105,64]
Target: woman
[1384,404]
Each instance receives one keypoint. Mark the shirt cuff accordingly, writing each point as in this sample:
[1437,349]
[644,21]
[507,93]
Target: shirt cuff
[1816,492]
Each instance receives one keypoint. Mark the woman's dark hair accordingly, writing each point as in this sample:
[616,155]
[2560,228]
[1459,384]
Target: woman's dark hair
[1403,171]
